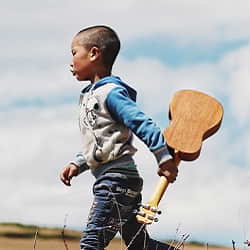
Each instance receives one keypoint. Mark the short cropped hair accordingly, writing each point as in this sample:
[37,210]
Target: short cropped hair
[105,39]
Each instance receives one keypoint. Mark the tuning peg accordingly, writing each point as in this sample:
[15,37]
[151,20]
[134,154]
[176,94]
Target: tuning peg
[146,206]
[154,209]
[141,213]
[150,217]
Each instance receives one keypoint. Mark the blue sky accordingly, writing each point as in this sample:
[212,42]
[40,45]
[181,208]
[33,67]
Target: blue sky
[171,53]
[166,47]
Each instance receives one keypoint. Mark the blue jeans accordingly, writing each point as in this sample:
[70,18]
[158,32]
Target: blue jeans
[116,197]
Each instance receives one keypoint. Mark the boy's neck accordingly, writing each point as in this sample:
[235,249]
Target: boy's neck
[98,76]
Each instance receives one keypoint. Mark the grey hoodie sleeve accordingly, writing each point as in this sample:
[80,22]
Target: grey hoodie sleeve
[80,161]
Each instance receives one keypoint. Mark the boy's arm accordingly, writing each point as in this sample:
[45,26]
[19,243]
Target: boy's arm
[126,111]
[73,168]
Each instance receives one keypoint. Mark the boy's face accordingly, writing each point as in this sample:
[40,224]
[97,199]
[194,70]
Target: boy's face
[81,61]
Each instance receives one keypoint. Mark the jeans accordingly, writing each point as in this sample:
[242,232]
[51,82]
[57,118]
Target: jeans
[116,197]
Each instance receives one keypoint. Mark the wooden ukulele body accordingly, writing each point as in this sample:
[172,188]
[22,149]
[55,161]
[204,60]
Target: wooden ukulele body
[194,116]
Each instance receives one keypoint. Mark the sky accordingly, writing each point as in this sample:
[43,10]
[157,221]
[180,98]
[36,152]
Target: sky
[166,46]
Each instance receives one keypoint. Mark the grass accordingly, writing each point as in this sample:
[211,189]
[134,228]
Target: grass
[57,244]
[17,230]
[15,236]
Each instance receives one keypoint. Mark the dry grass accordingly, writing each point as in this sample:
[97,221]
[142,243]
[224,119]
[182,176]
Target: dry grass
[22,237]
[45,244]
[57,244]
[24,231]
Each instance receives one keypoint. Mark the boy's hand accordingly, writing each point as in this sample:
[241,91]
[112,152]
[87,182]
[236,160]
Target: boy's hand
[169,169]
[68,172]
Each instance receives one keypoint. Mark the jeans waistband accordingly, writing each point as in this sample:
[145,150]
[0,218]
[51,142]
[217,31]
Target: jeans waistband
[125,160]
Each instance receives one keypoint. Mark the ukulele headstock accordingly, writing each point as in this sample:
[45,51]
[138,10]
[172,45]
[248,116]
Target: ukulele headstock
[147,214]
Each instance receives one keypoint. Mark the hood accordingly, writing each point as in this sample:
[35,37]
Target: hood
[116,80]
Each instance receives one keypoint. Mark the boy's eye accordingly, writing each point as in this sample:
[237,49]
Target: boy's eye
[73,52]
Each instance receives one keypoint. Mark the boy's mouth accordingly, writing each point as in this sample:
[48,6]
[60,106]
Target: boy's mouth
[73,72]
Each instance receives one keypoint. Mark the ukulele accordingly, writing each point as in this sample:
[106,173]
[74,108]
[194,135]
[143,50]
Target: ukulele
[194,116]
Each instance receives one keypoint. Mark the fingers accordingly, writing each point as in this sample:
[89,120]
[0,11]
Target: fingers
[172,179]
[65,177]
[170,176]
[68,172]
[169,170]
[73,171]
[173,174]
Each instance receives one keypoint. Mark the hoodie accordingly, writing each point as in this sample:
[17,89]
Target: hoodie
[109,116]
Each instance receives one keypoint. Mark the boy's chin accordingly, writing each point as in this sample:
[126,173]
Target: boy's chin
[79,78]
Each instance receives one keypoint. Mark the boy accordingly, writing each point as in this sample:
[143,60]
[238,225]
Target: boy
[108,118]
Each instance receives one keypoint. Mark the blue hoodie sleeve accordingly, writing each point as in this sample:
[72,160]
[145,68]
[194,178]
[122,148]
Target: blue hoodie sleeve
[126,111]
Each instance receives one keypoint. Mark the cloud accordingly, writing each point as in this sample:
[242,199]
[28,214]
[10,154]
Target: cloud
[156,81]
[227,80]
[194,21]
[39,41]
[36,145]
[236,67]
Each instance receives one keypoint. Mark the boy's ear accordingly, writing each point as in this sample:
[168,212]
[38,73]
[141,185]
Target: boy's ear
[94,53]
